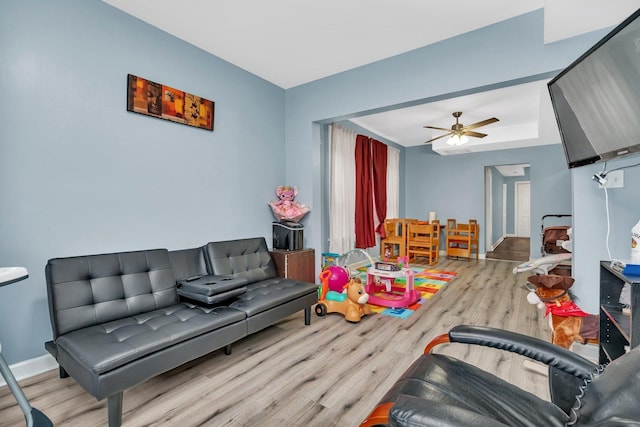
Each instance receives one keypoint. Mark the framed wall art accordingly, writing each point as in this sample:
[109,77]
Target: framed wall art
[164,102]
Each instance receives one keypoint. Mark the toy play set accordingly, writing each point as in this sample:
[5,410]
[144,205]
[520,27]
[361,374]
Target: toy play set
[342,292]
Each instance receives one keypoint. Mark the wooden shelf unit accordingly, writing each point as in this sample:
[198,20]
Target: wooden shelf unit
[617,329]
[298,265]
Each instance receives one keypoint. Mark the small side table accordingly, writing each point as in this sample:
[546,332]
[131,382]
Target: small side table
[298,265]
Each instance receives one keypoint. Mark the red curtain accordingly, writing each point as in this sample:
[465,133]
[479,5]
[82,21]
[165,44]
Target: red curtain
[365,234]
[371,184]
[379,154]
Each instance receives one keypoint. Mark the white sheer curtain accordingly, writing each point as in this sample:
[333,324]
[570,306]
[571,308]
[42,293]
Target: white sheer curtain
[342,203]
[393,182]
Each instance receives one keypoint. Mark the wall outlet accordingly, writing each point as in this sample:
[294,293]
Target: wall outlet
[615,179]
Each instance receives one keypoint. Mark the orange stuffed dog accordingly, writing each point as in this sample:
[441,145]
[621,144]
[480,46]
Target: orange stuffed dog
[568,322]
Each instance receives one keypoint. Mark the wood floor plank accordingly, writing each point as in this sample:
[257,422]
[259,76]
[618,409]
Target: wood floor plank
[330,373]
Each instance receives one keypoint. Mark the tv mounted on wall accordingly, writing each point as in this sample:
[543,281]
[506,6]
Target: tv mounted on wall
[596,99]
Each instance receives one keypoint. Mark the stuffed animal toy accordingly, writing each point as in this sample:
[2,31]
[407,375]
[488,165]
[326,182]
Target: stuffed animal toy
[568,322]
[285,208]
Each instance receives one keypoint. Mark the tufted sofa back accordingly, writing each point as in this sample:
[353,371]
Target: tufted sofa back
[245,258]
[89,290]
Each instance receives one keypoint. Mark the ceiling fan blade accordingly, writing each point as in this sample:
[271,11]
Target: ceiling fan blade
[438,137]
[433,127]
[482,123]
[475,134]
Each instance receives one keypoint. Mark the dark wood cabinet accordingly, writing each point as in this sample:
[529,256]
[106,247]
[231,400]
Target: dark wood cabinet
[298,265]
[619,330]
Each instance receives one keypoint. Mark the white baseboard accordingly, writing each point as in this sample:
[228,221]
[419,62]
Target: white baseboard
[495,245]
[31,367]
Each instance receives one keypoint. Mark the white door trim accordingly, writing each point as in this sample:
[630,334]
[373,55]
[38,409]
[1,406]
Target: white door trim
[518,184]
[488,217]
[504,210]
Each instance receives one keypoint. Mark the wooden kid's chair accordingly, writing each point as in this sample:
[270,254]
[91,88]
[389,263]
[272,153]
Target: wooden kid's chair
[461,238]
[423,240]
[394,245]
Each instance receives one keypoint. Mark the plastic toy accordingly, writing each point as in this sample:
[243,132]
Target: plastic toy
[338,279]
[285,209]
[352,304]
[383,293]
[329,259]
[542,265]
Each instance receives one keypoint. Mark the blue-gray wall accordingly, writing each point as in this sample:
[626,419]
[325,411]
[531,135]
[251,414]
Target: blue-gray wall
[590,225]
[81,175]
[454,186]
[501,54]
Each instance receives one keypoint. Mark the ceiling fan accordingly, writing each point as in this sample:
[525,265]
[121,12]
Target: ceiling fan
[460,133]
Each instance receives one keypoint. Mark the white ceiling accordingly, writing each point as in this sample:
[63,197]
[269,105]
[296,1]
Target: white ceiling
[512,170]
[518,120]
[292,42]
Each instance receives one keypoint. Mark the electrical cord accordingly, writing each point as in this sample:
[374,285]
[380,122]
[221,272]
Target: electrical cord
[617,169]
[600,178]
[603,174]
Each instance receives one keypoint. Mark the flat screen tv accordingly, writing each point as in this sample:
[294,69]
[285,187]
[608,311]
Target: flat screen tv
[596,99]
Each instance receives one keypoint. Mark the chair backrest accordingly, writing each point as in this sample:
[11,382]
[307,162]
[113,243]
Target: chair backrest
[611,397]
[391,227]
[474,229]
[436,229]
[422,232]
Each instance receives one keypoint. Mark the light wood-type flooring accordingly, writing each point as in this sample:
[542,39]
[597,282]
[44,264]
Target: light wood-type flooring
[331,373]
[512,249]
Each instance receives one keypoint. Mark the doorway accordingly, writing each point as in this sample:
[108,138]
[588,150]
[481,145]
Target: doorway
[508,213]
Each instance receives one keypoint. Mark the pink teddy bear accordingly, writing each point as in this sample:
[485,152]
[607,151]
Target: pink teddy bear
[285,208]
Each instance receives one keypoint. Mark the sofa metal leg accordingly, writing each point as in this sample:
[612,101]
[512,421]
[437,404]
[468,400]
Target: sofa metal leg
[114,404]
[227,349]
[62,372]
[307,316]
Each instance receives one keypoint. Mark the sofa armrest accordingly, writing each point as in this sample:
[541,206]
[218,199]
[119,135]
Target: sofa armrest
[533,348]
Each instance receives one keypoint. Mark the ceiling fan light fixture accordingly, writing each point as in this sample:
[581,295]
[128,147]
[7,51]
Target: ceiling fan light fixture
[456,139]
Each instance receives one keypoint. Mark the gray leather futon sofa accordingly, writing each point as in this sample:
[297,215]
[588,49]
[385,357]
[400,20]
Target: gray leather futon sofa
[119,319]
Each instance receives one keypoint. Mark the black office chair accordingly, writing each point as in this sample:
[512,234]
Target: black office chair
[439,390]
[32,416]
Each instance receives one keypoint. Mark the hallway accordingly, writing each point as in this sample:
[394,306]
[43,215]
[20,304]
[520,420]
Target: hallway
[512,249]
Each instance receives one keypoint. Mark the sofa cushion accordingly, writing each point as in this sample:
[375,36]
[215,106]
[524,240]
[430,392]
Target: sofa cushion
[104,347]
[267,294]
[89,290]
[245,258]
